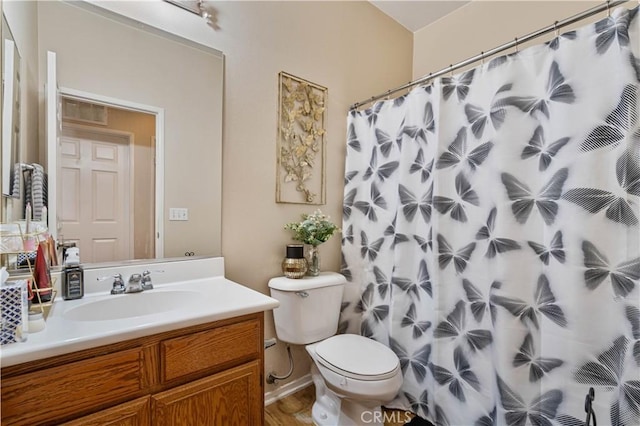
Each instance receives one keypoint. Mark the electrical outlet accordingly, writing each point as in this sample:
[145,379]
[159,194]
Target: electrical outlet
[178,213]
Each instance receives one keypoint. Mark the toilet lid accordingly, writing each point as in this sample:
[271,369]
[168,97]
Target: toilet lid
[357,357]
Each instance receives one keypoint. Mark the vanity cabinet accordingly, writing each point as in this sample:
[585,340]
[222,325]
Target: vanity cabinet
[206,374]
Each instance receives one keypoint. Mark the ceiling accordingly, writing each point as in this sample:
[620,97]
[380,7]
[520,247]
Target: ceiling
[414,15]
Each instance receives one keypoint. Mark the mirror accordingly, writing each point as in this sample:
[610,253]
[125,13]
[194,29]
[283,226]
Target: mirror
[105,60]
[10,107]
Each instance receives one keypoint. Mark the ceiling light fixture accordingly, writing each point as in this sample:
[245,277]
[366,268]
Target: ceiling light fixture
[197,7]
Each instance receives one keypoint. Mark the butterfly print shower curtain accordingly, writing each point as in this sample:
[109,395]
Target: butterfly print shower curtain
[491,235]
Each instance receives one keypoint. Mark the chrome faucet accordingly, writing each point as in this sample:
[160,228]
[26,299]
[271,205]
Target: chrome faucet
[135,284]
[146,281]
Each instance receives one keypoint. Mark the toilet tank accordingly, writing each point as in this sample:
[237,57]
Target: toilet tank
[309,307]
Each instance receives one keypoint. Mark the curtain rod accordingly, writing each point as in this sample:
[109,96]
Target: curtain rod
[555,26]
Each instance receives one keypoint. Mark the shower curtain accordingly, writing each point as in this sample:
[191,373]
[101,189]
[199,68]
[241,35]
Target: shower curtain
[491,237]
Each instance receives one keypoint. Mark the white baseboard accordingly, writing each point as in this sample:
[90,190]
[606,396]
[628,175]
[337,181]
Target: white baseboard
[287,389]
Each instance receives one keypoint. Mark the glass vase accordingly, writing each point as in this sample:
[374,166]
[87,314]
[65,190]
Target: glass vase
[313,261]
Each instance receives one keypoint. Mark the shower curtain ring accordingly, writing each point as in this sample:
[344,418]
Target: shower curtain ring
[482,58]
[555,28]
[517,50]
[608,8]
[450,70]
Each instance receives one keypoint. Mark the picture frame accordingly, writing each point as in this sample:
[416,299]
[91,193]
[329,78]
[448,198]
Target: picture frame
[301,150]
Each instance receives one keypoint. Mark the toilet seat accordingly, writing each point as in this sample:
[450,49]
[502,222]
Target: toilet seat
[357,357]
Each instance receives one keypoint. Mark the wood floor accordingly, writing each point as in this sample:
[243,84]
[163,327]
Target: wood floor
[295,409]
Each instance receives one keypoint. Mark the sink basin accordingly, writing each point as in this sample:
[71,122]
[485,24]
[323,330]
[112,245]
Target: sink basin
[133,305]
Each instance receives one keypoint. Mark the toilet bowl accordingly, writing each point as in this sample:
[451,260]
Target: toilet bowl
[353,375]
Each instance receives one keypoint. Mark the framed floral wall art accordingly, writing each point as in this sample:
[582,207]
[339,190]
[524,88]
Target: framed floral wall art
[301,144]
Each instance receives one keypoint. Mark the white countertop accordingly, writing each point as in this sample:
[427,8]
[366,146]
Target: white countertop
[215,298]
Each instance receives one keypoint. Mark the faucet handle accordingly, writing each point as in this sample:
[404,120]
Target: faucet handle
[116,277]
[118,284]
[146,280]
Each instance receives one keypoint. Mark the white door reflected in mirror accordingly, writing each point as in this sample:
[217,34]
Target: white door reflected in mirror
[109,184]
[94,197]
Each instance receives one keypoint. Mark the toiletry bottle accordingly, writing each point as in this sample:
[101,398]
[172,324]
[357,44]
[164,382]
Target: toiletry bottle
[29,241]
[72,276]
[42,276]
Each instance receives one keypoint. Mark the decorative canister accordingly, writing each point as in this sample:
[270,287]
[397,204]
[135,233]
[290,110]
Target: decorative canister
[294,264]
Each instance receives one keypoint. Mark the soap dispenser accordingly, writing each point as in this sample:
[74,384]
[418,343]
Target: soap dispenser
[72,275]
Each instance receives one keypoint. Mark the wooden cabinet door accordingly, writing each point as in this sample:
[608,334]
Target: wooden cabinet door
[55,394]
[133,413]
[230,398]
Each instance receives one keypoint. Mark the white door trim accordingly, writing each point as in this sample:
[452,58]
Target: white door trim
[91,130]
[159,153]
[88,132]
[52,122]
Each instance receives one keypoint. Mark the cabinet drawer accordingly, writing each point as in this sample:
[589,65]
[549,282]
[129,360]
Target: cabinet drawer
[209,349]
[132,413]
[55,393]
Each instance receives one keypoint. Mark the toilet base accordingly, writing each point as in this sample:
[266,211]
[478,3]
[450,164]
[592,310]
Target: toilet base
[331,410]
[350,414]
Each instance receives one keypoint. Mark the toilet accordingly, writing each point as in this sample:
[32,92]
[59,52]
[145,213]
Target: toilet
[353,375]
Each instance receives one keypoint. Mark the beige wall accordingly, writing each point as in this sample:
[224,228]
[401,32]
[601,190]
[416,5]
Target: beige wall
[349,47]
[482,25]
[103,57]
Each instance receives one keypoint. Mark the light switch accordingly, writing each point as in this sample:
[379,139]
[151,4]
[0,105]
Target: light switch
[178,213]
